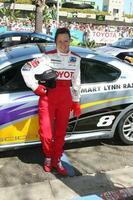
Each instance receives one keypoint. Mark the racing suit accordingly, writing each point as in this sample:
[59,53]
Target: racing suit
[55,105]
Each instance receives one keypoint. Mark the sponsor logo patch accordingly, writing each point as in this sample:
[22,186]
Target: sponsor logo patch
[55,60]
[26,67]
[61,74]
[72,59]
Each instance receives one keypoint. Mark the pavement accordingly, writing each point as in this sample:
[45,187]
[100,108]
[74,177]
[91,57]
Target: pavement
[110,185]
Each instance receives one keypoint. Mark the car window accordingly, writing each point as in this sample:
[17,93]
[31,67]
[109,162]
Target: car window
[9,41]
[40,40]
[96,72]
[130,54]
[123,43]
[11,79]
[25,39]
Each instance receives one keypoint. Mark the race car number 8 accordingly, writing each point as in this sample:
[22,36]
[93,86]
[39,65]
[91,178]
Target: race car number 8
[106,120]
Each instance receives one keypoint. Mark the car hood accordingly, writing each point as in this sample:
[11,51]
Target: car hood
[109,50]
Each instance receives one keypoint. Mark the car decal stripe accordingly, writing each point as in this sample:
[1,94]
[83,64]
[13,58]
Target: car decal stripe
[23,131]
[11,114]
[86,105]
[26,96]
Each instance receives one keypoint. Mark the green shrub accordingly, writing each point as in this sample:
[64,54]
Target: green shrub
[89,44]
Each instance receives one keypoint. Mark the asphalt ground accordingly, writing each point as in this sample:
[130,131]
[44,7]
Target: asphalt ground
[100,166]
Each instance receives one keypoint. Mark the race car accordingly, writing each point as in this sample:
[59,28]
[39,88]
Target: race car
[12,38]
[121,48]
[106,98]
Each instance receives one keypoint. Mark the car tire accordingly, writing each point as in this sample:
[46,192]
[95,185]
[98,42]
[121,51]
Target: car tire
[125,128]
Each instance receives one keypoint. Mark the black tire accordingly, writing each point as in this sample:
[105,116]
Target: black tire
[125,128]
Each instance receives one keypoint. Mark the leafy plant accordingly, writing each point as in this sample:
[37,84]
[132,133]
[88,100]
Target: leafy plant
[89,43]
[31,17]
[8,13]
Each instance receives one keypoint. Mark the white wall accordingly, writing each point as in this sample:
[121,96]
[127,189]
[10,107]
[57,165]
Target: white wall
[114,5]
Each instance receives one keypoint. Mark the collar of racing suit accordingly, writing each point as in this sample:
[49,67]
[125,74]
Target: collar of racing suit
[63,54]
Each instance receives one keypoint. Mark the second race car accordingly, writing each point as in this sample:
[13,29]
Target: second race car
[121,49]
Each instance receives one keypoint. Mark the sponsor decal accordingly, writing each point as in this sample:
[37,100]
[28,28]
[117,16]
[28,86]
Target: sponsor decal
[72,59]
[21,131]
[15,138]
[106,120]
[34,63]
[64,74]
[90,89]
[26,67]
[106,88]
[55,60]
[128,85]
[104,37]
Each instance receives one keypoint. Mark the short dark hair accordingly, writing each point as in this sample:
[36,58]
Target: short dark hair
[62,31]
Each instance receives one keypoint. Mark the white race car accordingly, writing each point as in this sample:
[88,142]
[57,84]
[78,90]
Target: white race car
[121,49]
[106,98]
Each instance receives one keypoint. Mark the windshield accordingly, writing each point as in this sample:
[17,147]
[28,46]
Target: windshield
[124,43]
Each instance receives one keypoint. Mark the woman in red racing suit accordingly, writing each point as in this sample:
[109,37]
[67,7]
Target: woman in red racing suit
[56,103]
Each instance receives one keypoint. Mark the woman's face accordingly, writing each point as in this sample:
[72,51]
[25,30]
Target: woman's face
[63,42]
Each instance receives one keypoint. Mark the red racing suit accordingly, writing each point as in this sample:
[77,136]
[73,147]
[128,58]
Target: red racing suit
[55,106]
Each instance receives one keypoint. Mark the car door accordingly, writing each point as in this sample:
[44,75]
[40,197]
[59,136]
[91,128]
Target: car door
[18,108]
[100,103]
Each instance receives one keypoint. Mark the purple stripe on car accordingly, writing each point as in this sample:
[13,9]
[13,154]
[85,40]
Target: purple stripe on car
[29,95]
[10,114]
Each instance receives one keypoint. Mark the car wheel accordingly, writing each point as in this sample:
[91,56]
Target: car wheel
[125,128]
